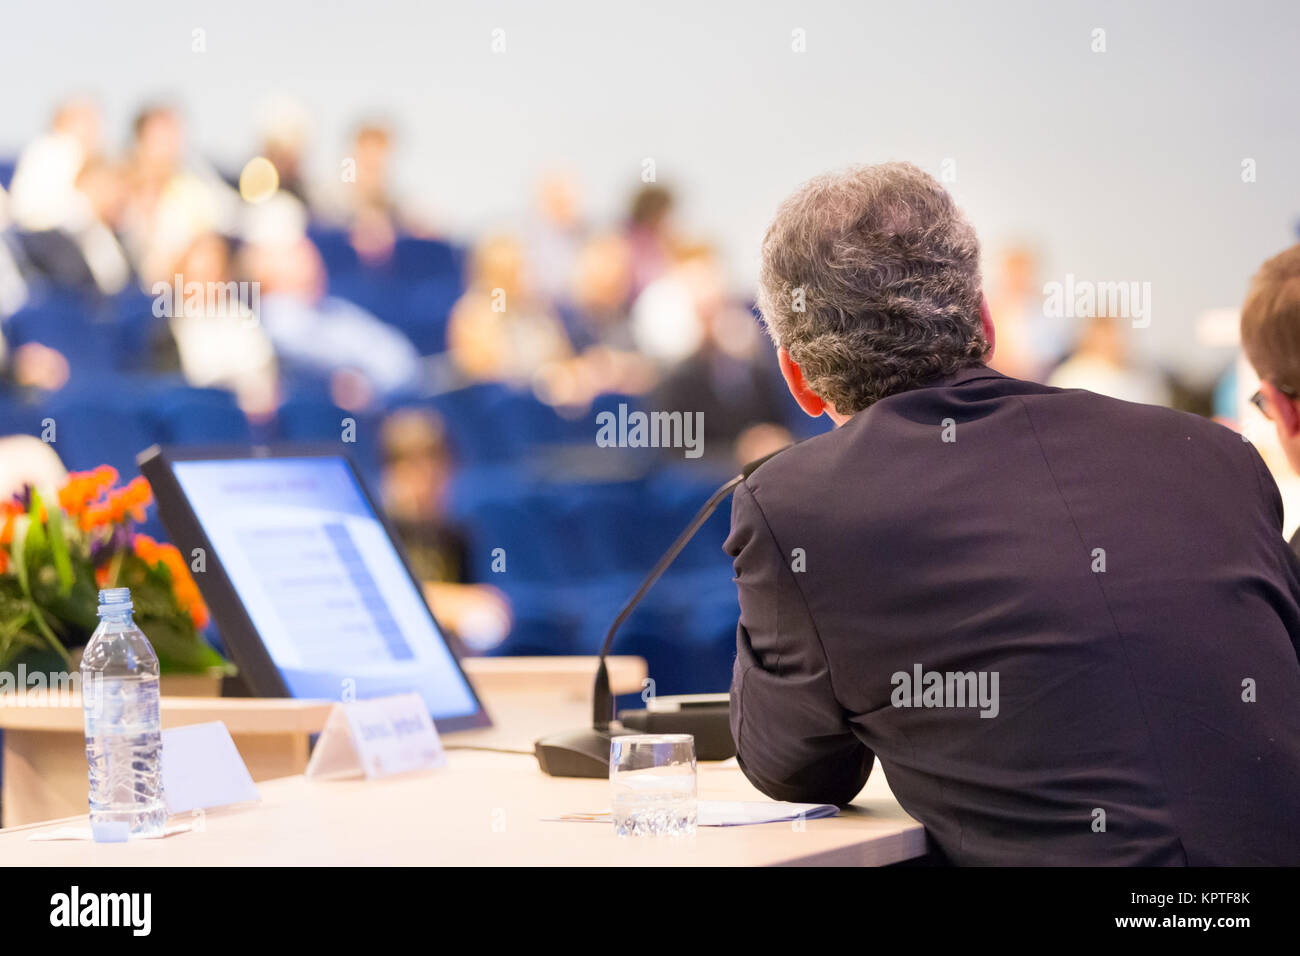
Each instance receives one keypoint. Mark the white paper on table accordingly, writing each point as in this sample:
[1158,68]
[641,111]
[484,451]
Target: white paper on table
[202,769]
[83,833]
[728,813]
[739,813]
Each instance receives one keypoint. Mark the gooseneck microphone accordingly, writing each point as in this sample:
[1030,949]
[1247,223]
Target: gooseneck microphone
[585,753]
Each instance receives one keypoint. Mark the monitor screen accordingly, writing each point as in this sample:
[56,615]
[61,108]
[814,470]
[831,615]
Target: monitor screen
[321,580]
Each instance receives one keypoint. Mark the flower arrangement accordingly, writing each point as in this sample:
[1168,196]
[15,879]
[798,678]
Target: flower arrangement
[54,557]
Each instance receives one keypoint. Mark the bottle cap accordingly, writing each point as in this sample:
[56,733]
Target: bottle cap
[114,599]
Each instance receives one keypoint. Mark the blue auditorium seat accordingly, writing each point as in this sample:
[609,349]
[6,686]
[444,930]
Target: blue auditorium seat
[311,418]
[335,250]
[472,432]
[427,259]
[200,416]
[103,422]
[71,326]
[418,308]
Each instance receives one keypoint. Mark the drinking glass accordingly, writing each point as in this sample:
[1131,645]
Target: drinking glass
[653,779]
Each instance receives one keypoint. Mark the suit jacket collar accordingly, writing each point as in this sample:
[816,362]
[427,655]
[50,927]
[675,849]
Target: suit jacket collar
[960,377]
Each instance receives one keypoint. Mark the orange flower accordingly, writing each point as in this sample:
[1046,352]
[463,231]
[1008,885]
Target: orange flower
[4,561]
[184,589]
[96,516]
[83,487]
[131,500]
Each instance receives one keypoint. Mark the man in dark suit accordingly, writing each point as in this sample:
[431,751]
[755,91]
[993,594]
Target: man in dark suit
[1066,625]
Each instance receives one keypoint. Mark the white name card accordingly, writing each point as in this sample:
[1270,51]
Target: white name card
[201,769]
[376,738]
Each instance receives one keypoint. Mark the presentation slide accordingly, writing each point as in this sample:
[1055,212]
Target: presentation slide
[322,581]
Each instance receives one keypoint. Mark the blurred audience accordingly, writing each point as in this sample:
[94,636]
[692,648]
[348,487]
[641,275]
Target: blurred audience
[1101,363]
[416,476]
[44,184]
[1029,342]
[732,379]
[555,235]
[317,333]
[284,128]
[651,234]
[218,339]
[671,315]
[502,329]
[172,198]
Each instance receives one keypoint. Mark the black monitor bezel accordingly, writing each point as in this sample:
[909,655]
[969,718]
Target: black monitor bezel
[238,632]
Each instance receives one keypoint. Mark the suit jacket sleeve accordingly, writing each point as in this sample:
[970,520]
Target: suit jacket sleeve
[793,741]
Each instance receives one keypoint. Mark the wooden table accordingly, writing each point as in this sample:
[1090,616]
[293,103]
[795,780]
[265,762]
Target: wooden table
[488,809]
[44,739]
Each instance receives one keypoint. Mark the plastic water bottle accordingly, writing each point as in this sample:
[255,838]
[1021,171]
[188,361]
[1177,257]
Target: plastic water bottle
[119,686]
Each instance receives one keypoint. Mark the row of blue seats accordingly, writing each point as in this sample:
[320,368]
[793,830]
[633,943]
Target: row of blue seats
[574,549]
[414,290]
[685,627]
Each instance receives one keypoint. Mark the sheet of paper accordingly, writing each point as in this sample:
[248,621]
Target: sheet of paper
[83,833]
[202,769]
[727,813]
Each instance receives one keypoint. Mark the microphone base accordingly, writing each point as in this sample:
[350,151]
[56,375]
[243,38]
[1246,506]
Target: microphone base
[577,753]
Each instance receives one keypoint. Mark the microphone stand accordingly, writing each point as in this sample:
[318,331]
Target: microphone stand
[585,753]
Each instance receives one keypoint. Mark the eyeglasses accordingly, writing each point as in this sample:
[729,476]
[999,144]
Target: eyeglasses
[1260,400]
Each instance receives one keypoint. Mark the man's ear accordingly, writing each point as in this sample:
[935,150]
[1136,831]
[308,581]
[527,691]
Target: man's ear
[811,403]
[986,320]
[1285,414]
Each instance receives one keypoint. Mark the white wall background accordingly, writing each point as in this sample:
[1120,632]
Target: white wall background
[1119,165]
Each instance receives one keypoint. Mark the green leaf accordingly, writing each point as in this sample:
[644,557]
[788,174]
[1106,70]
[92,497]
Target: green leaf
[58,547]
[19,551]
[38,617]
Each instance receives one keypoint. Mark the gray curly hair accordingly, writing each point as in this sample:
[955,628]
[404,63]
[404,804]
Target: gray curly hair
[870,280]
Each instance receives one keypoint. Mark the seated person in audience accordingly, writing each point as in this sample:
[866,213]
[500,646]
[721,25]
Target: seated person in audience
[416,476]
[1030,342]
[283,128]
[599,293]
[1270,337]
[1101,363]
[44,193]
[364,358]
[500,330]
[31,365]
[363,200]
[218,336]
[83,251]
[670,316]
[13,285]
[1066,625]
[729,381]
[172,196]
[598,324]
[555,234]
[651,234]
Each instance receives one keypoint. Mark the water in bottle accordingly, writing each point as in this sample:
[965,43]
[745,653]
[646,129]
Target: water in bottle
[119,681]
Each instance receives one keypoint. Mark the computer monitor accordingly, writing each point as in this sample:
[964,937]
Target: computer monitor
[304,580]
